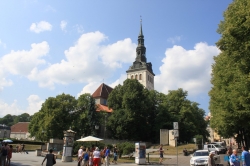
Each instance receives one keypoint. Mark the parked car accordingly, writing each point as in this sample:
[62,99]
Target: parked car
[215,147]
[200,157]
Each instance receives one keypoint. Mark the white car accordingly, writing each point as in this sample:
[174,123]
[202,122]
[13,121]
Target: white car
[200,157]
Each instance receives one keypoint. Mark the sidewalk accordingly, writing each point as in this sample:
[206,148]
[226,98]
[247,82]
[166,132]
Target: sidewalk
[32,160]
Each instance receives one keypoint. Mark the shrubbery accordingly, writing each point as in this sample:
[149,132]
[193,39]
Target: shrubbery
[125,148]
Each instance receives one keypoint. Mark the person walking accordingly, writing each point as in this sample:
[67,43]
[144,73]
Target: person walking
[4,151]
[50,158]
[80,151]
[96,157]
[9,155]
[85,158]
[161,150]
[115,151]
[245,156]
[234,159]
[211,161]
[103,155]
[107,153]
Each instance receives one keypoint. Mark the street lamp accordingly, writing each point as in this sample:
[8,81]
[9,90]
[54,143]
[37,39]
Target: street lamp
[42,139]
[4,133]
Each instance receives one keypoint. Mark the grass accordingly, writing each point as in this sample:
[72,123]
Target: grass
[170,150]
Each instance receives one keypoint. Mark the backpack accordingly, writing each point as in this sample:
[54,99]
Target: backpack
[4,152]
[86,157]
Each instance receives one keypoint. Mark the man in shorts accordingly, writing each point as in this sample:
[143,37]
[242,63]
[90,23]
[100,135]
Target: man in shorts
[161,150]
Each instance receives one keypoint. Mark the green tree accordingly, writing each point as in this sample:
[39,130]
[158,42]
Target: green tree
[130,115]
[53,118]
[8,120]
[229,103]
[189,116]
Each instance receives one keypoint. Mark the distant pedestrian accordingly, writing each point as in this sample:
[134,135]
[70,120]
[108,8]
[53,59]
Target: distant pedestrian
[245,156]
[211,161]
[115,152]
[107,153]
[161,150]
[85,158]
[103,155]
[91,159]
[50,158]
[234,159]
[80,151]
[96,157]
[4,151]
[229,153]
[9,155]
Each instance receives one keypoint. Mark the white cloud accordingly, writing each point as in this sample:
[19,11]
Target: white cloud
[63,25]
[175,39]
[34,102]
[120,81]
[87,61]
[89,88]
[2,44]
[113,56]
[22,62]
[187,69]
[40,27]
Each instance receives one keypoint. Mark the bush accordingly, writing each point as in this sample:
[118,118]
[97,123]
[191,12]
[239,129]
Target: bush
[125,148]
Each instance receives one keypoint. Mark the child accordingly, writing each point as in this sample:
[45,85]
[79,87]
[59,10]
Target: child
[9,155]
[91,159]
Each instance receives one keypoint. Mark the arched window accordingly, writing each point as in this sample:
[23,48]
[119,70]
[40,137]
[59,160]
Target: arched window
[132,77]
[136,76]
[140,77]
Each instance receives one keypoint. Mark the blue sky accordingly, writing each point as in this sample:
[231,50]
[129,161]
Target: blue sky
[53,47]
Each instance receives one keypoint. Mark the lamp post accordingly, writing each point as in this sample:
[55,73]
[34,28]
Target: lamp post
[4,133]
[42,140]
[105,126]
[96,128]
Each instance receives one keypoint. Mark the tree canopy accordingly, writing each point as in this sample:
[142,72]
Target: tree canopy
[230,94]
[61,113]
[139,113]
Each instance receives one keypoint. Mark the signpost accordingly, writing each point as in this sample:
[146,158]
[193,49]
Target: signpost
[176,135]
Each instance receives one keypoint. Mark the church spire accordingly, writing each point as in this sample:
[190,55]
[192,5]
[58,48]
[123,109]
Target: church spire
[141,34]
[141,49]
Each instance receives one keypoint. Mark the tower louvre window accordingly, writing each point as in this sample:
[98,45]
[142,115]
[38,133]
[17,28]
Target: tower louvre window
[140,77]
[136,76]
[132,77]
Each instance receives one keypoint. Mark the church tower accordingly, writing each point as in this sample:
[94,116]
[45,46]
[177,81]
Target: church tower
[141,69]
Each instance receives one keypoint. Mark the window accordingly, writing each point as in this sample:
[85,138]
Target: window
[136,77]
[140,77]
[132,77]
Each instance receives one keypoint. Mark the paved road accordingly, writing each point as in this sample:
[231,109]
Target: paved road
[32,160]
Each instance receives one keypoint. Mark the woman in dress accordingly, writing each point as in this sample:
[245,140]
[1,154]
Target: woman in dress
[50,158]
[96,157]
[9,155]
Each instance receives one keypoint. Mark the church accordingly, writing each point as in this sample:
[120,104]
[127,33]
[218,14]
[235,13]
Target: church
[140,70]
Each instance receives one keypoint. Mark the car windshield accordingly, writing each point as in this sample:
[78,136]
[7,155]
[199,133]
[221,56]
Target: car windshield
[201,154]
[217,146]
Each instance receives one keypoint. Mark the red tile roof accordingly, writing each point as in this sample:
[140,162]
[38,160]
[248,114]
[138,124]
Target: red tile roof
[102,91]
[20,127]
[104,108]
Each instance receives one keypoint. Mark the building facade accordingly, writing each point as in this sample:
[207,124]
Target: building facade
[141,69]
[4,131]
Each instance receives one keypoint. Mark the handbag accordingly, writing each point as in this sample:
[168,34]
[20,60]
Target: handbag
[54,160]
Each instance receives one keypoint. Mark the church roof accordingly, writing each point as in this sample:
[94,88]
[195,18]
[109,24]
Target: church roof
[102,91]
[105,108]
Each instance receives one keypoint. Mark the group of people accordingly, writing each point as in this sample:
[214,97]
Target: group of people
[95,157]
[5,154]
[20,148]
[233,158]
